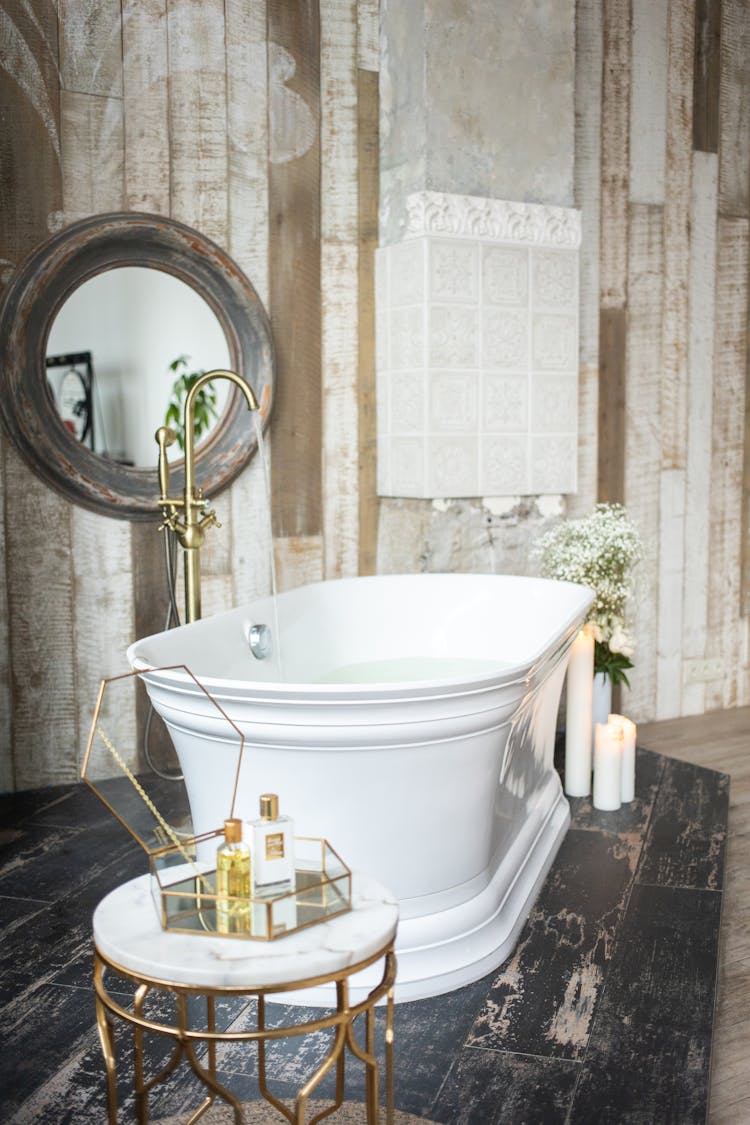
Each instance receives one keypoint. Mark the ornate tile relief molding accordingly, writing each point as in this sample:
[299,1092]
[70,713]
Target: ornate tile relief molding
[477,350]
[492,220]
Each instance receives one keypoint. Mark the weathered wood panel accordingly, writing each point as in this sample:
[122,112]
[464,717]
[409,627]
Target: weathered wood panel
[700,381]
[734,125]
[103,622]
[367,163]
[671,576]
[706,70]
[37,527]
[615,150]
[612,392]
[642,445]
[339,256]
[40,601]
[727,457]
[677,233]
[91,47]
[613,270]
[298,561]
[92,154]
[587,189]
[198,116]
[648,101]
[294,270]
[247,187]
[675,330]
[30,179]
[368,34]
[145,102]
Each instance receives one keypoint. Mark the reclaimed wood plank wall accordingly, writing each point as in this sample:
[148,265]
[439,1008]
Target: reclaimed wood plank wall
[256,121]
[241,118]
[667,118]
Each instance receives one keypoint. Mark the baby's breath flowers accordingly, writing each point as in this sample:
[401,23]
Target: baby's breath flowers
[598,551]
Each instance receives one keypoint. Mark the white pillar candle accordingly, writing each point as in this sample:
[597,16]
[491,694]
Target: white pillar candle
[608,740]
[628,756]
[578,716]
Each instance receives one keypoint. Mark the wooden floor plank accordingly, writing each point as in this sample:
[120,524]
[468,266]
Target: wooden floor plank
[720,740]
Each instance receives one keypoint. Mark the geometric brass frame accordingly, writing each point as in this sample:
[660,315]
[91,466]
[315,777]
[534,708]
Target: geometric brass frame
[93,730]
[342,1019]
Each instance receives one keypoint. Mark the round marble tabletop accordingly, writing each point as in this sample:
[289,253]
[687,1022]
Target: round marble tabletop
[127,932]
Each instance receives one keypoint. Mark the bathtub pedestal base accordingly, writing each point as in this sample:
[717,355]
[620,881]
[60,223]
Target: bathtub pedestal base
[440,952]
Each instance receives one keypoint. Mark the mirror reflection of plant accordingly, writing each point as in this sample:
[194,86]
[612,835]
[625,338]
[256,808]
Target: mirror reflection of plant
[206,409]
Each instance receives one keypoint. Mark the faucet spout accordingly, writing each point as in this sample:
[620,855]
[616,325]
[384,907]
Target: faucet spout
[190,530]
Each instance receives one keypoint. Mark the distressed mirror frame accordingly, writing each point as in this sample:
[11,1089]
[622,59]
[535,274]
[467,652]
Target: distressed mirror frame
[37,291]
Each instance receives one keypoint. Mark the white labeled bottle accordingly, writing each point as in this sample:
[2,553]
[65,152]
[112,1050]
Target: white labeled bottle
[272,845]
[233,881]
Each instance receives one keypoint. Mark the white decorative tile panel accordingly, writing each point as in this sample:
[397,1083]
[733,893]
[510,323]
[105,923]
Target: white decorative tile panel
[454,270]
[453,402]
[453,465]
[555,342]
[506,403]
[409,416]
[406,334]
[453,336]
[505,339]
[556,278]
[505,465]
[505,276]
[407,273]
[554,403]
[477,350]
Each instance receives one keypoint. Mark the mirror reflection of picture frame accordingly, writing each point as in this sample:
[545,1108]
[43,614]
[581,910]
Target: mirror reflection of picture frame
[36,292]
[74,393]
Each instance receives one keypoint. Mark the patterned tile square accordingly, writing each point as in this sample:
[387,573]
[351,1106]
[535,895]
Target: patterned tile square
[554,461]
[408,414]
[406,463]
[504,464]
[453,402]
[554,404]
[505,339]
[407,344]
[454,271]
[453,336]
[555,346]
[453,466]
[407,273]
[554,278]
[505,275]
[505,405]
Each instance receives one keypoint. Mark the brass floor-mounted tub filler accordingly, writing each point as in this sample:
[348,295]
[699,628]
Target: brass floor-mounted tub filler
[196,516]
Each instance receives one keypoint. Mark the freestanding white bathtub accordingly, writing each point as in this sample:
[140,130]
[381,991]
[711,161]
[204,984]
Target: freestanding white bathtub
[413,727]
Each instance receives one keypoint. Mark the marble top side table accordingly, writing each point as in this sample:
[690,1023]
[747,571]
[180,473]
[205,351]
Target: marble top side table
[130,946]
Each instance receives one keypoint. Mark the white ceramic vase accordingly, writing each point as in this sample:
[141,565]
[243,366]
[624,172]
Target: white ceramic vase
[602,701]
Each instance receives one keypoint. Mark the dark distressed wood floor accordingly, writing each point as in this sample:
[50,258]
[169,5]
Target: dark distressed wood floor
[604,1012]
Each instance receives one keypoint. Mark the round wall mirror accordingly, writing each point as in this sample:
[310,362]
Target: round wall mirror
[100,327]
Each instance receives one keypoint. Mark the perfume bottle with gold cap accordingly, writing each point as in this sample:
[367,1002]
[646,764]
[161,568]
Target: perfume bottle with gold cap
[233,881]
[272,846]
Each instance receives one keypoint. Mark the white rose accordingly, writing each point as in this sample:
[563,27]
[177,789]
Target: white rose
[621,642]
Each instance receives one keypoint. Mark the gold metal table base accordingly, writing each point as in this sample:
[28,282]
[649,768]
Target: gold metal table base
[341,1020]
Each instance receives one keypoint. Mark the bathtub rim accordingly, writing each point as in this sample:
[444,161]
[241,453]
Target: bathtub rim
[313,692]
